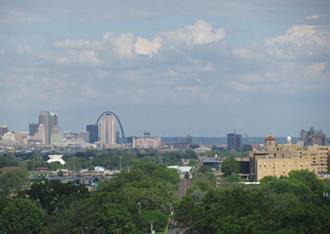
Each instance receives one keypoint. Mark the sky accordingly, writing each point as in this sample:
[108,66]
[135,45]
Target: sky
[172,68]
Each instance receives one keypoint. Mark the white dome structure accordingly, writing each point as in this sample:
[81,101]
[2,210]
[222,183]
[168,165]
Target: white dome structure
[55,158]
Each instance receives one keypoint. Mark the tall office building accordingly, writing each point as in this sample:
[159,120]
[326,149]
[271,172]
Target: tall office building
[53,119]
[93,132]
[33,128]
[312,137]
[107,131]
[49,120]
[234,141]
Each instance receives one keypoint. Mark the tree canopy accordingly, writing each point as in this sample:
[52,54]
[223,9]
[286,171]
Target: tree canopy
[22,216]
[294,204]
[230,166]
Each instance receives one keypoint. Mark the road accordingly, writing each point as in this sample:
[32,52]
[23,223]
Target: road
[182,189]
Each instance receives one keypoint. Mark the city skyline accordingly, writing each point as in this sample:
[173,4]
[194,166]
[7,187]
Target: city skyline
[27,128]
[202,68]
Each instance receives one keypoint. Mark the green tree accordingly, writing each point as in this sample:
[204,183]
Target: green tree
[124,204]
[54,195]
[307,178]
[277,205]
[8,162]
[232,178]
[12,180]
[114,218]
[22,216]
[230,166]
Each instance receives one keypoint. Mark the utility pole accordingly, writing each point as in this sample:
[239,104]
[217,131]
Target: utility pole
[152,231]
[139,204]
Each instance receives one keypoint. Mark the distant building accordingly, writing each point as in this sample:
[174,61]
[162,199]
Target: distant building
[15,138]
[234,141]
[189,140]
[211,163]
[57,137]
[33,128]
[21,138]
[38,138]
[146,142]
[41,134]
[107,131]
[9,138]
[279,159]
[93,132]
[312,137]
[247,147]
[83,136]
[3,129]
[49,120]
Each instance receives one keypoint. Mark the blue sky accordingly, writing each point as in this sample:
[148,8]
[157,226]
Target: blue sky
[169,67]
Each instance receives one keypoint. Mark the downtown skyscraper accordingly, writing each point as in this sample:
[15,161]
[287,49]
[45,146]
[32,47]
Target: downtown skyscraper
[49,120]
[107,131]
[93,132]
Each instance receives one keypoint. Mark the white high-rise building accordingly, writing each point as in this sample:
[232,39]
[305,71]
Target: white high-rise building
[107,131]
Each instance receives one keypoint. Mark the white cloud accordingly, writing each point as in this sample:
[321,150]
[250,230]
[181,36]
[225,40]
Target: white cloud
[128,45]
[298,41]
[146,47]
[199,33]
[121,45]
[312,17]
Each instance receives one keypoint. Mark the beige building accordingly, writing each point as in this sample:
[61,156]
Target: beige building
[279,159]
[146,142]
[107,131]
[14,138]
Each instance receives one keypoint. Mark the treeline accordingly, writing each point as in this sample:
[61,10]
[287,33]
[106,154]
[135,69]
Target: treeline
[128,203]
[111,159]
[299,203]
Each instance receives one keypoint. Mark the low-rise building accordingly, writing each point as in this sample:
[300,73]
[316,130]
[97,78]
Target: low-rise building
[212,163]
[279,159]
[146,142]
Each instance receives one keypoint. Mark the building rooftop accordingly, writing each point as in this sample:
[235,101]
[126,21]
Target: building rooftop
[270,138]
